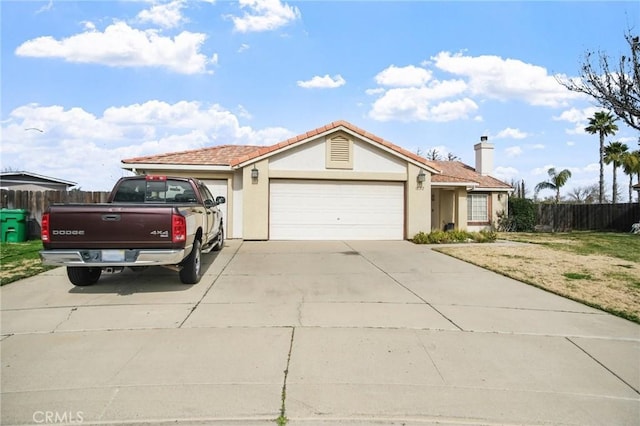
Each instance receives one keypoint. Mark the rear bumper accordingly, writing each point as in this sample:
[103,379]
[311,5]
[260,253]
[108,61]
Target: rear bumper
[130,257]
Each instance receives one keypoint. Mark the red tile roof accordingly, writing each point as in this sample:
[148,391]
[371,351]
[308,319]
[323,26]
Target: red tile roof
[233,155]
[458,172]
[214,156]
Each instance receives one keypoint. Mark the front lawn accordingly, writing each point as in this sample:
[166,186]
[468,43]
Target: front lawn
[20,260]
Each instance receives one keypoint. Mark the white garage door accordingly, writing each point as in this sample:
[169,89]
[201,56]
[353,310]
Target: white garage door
[219,188]
[330,210]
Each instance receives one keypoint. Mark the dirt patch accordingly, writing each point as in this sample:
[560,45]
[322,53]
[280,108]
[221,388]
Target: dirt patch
[602,281]
[21,268]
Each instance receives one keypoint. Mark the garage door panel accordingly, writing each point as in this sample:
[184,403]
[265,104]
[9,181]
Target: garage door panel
[320,210]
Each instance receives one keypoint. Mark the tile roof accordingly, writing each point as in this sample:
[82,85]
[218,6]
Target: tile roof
[458,172]
[332,126]
[233,155]
[221,155]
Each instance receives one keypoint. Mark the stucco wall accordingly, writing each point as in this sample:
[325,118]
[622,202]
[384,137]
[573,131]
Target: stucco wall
[417,203]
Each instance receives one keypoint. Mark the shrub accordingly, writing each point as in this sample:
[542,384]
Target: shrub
[522,216]
[455,236]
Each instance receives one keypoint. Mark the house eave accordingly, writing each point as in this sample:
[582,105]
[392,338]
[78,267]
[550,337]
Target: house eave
[180,167]
[467,185]
[491,189]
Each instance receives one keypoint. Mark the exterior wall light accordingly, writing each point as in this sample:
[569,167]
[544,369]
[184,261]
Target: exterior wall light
[254,173]
[421,176]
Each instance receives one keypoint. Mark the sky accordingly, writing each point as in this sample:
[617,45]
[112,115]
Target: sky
[85,84]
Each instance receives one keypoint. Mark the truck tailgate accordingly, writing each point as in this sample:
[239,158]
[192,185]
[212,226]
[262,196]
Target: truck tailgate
[111,226]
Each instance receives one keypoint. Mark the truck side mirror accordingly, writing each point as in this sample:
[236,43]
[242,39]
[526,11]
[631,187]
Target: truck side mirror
[220,200]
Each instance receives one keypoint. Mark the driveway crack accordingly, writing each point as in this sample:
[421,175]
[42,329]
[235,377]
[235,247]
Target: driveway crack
[210,287]
[282,418]
[71,311]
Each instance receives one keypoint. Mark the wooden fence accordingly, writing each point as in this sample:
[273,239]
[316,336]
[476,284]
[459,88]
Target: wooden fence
[588,217]
[37,202]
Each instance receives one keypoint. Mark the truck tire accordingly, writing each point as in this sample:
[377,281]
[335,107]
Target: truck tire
[191,266]
[220,242]
[83,276]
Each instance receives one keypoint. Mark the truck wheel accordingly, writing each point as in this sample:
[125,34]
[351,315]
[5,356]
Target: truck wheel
[83,276]
[190,272]
[220,242]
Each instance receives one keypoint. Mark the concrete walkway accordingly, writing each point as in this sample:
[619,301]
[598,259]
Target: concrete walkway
[355,333]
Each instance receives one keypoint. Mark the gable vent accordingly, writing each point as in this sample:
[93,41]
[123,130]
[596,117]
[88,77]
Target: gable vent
[339,153]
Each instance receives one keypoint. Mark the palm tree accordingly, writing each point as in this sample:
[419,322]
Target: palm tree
[631,166]
[555,182]
[602,123]
[614,153]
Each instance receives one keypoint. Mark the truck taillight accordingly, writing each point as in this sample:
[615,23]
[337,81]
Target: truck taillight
[178,228]
[45,228]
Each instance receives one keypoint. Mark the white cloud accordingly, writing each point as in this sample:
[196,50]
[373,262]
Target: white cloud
[511,134]
[167,15]
[409,76]
[505,79]
[505,174]
[47,7]
[87,148]
[513,151]
[472,79]
[326,82]
[579,118]
[423,104]
[122,46]
[264,15]
[538,171]
[536,146]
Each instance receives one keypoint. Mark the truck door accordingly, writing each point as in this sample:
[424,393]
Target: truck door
[213,214]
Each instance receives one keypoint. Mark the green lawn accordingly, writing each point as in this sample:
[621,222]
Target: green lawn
[20,260]
[618,245]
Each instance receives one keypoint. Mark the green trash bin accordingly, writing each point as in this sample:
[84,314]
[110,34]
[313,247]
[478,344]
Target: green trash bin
[15,226]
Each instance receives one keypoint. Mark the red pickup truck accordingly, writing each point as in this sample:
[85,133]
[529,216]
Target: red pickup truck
[147,221]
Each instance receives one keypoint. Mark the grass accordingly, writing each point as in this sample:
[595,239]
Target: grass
[20,260]
[616,245]
[598,269]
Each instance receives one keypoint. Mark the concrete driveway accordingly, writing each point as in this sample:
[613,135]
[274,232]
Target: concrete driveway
[351,333]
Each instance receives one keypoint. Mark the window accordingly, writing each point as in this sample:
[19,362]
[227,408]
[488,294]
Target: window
[477,208]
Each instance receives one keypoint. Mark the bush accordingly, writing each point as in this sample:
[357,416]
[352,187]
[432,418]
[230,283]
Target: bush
[455,236]
[521,218]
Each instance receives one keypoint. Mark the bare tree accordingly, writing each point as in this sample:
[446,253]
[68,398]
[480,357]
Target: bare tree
[433,155]
[584,194]
[452,157]
[614,87]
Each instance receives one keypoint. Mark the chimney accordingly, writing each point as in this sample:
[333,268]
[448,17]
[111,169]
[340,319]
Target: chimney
[484,156]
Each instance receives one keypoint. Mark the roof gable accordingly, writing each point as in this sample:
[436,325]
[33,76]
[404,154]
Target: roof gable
[330,128]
